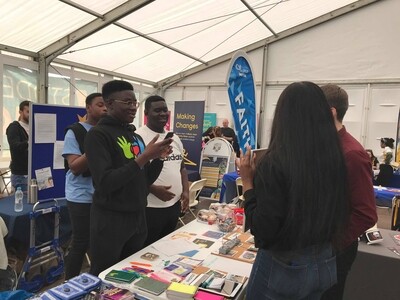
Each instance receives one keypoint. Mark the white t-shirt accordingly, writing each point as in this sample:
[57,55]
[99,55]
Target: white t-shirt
[25,126]
[171,172]
[387,150]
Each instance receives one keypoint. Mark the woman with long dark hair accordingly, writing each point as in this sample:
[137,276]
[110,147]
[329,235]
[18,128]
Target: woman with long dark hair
[374,160]
[295,199]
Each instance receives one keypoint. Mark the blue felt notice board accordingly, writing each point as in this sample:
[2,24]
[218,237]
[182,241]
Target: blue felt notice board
[41,154]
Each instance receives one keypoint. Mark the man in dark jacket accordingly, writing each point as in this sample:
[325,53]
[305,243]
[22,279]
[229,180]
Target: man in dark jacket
[122,173]
[230,135]
[17,136]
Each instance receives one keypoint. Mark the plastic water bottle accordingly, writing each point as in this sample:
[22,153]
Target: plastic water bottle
[19,195]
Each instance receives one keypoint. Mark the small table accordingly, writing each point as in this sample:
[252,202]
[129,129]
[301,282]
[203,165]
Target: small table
[375,272]
[18,223]
[384,195]
[395,180]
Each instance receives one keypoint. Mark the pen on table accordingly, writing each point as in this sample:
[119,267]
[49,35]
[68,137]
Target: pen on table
[140,264]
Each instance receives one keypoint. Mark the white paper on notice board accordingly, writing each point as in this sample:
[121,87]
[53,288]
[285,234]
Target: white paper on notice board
[58,159]
[45,128]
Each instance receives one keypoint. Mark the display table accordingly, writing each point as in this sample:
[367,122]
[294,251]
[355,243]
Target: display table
[375,272]
[18,223]
[180,237]
[395,180]
[228,188]
[384,195]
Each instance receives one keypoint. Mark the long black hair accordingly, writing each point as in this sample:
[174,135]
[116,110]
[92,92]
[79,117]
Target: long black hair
[305,143]
[388,142]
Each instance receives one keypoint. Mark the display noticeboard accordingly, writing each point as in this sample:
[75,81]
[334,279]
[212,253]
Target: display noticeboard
[217,158]
[47,125]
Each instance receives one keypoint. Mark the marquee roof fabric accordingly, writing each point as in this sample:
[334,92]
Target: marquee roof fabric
[152,40]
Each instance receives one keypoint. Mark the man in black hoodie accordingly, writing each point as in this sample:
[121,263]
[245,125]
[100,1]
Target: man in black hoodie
[122,172]
[17,136]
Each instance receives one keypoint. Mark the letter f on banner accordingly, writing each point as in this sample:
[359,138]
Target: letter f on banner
[242,96]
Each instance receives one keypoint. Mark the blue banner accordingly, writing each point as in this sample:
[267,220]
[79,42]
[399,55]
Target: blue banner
[242,96]
[188,125]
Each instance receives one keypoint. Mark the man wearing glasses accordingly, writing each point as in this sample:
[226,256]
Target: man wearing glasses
[122,173]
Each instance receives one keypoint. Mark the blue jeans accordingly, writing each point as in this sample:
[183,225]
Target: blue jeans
[20,181]
[301,274]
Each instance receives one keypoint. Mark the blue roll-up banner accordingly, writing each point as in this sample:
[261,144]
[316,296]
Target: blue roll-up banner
[242,96]
[188,125]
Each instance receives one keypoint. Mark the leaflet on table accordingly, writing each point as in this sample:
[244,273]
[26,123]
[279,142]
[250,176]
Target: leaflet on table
[182,235]
[188,261]
[170,247]
[179,270]
[213,234]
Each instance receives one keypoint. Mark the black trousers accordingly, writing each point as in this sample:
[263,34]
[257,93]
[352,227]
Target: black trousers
[79,214]
[161,221]
[114,236]
[344,261]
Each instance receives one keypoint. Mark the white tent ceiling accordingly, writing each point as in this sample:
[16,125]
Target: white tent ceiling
[150,40]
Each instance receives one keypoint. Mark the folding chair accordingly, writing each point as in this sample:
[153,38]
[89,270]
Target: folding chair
[194,191]
[6,180]
[395,218]
[239,190]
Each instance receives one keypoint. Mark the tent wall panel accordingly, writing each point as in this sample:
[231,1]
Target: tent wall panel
[359,45]
[357,51]
[382,114]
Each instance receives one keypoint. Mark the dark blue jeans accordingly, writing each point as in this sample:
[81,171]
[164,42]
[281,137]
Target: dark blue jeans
[303,274]
[79,214]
